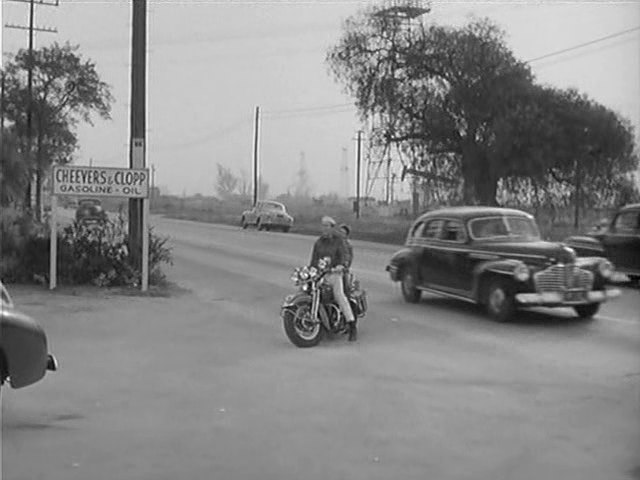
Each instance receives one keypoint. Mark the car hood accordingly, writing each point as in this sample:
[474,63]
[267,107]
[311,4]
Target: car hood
[532,252]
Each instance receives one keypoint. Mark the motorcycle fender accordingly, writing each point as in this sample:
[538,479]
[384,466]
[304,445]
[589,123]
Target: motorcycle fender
[292,300]
[295,298]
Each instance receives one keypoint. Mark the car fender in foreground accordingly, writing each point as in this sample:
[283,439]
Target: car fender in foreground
[24,355]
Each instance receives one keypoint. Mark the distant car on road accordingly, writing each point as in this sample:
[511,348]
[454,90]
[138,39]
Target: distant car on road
[495,257]
[24,355]
[617,239]
[267,215]
[90,211]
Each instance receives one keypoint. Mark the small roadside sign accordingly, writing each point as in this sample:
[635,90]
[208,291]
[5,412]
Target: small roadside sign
[101,181]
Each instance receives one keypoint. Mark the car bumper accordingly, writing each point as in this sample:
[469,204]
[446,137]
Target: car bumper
[553,299]
[393,272]
[278,222]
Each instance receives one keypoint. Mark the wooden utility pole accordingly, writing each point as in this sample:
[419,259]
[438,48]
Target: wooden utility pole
[138,125]
[358,163]
[256,138]
[29,131]
[577,195]
[153,181]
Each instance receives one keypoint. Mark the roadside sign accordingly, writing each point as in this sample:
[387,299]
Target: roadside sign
[100,181]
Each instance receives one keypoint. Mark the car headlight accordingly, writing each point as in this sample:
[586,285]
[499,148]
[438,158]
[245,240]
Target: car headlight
[605,267]
[521,272]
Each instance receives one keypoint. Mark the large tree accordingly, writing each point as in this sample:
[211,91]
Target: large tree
[461,98]
[66,90]
[14,170]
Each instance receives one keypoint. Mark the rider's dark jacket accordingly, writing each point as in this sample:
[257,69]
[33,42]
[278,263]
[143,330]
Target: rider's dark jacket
[329,245]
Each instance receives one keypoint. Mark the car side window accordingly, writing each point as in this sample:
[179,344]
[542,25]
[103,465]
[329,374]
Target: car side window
[4,297]
[453,231]
[626,222]
[433,228]
[417,230]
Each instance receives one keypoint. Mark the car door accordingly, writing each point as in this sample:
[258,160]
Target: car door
[622,242]
[452,258]
[430,269]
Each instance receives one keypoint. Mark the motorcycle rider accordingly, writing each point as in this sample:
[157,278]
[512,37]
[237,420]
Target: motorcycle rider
[330,244]
[345,230]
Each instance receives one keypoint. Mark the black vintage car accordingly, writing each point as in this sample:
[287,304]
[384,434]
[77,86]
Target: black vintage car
[618,240]
[495,257]
[90,211]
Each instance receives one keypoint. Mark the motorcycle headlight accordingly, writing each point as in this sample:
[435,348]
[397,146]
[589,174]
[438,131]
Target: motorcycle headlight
[521,272]
[295,275]
[605,267]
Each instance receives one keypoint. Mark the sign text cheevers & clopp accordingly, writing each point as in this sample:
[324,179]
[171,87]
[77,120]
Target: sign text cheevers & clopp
[101,181]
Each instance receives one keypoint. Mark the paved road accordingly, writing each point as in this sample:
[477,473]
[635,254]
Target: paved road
[206,385]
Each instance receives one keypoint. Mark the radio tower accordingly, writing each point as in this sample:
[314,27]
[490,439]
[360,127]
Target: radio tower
[404,12]
[344,174]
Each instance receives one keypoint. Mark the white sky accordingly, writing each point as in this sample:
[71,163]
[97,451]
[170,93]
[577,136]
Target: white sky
[210,63]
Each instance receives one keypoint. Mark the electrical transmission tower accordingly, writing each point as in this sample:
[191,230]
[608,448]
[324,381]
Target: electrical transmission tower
[31,28]
[344,174]
[386,166]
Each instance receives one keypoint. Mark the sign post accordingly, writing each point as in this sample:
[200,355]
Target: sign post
[145,244]
[100,182]
[53,247]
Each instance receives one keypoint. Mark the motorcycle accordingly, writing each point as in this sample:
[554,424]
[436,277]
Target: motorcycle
[312,311]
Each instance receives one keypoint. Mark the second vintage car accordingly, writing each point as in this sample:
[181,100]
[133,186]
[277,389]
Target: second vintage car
[495,257]
[90,211]
[267,215]
[617,239]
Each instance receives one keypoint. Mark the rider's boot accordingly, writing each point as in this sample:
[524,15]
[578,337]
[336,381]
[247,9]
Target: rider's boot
[353,331]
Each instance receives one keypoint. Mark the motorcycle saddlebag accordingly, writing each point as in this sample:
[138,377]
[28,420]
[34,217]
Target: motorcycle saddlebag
[359,301]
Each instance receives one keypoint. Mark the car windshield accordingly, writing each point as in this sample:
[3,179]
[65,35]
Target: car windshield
[504,228]
[273,206]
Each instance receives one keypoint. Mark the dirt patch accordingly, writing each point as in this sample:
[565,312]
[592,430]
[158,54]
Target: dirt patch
[36,295]
[167,290]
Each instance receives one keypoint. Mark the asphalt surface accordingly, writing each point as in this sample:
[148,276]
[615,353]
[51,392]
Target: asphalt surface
[205,385]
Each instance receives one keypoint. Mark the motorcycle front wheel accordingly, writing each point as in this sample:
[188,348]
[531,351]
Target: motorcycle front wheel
[301,329]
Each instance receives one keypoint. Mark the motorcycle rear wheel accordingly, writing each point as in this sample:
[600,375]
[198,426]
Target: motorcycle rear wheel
[300,328]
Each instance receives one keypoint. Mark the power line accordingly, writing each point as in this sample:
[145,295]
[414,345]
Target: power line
[309,114]
[585,44]
[308,109]
[202,139]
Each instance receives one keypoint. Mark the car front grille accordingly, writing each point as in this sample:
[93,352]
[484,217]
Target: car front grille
[563,277]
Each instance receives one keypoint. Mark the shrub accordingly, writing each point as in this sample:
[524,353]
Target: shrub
[99,254]
[87,253]
[20,238]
